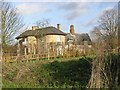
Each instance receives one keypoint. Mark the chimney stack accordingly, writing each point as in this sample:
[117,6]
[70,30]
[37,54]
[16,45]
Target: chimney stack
[35,27]
[58,26]
[72,29]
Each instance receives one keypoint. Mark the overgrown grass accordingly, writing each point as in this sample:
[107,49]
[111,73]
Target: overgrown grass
[60,73]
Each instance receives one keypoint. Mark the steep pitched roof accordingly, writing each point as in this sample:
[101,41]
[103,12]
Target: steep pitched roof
[78,38]
[42,31]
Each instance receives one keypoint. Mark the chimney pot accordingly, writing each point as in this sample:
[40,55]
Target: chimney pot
[72,29]
[58,26]
[35,27]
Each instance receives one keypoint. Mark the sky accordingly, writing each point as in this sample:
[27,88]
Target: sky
[83,15]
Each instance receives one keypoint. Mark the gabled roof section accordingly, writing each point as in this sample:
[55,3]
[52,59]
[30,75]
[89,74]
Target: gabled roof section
[83,37]
[42,31]
[78,38]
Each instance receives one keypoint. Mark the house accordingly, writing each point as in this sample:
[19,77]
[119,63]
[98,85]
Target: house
[76,38]
[78,42]
[50,39]
[38,39]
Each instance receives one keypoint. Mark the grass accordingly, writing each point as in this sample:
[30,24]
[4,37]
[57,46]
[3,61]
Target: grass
[57,73]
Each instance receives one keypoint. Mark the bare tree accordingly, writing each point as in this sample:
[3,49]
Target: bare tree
[43,23]
[11,23]
[43,47]
[95,34]
[108,24]
[107,39]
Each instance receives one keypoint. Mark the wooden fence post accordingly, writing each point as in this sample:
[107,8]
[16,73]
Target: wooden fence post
[48,51]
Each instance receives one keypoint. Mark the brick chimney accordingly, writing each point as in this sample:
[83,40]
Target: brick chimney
[72,29]
[35,27]
[58,26]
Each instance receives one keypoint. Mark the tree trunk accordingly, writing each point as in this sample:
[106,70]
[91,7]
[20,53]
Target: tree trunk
[105,72]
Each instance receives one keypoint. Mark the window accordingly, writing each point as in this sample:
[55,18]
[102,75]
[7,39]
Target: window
[58,39]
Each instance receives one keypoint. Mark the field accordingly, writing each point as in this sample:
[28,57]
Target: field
[57,73]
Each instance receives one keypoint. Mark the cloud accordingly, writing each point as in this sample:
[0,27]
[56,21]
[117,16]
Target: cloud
[74,9]
[74,14]
[31,8]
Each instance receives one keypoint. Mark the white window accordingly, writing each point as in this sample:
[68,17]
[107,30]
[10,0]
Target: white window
[58,39]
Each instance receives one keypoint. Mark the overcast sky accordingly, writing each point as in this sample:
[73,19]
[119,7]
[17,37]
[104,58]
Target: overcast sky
[83,15]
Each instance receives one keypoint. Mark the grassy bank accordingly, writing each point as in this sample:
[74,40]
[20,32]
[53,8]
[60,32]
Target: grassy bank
[58,73]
